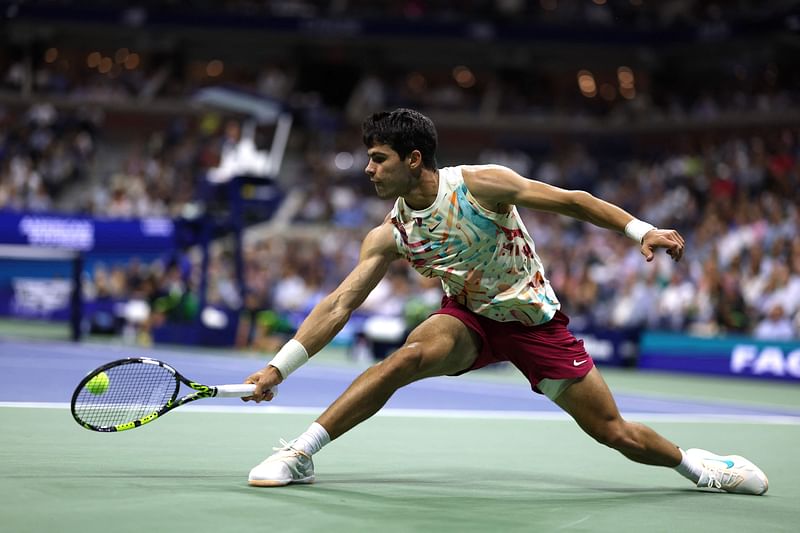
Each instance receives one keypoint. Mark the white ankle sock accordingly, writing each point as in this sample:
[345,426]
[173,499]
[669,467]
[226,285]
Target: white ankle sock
[689,468]
[312,440]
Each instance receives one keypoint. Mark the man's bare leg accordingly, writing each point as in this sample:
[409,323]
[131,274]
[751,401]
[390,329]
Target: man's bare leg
[590,403]
[439,346]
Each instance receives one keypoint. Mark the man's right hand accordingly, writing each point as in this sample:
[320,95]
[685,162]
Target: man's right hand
[265,380]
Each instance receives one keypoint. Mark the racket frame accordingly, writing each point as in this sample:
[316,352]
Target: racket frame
[200,392]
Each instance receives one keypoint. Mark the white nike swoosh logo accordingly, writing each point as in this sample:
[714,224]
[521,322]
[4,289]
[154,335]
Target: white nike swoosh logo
[578,363]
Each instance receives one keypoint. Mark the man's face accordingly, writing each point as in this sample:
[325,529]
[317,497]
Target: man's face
[391,175]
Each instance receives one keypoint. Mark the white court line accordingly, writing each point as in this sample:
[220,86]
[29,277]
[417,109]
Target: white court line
[687,418]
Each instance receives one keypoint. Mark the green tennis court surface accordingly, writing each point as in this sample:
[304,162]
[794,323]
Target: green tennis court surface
[188,473]
[439,471]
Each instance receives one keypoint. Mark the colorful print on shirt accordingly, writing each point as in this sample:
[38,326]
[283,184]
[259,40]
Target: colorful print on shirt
[487,261]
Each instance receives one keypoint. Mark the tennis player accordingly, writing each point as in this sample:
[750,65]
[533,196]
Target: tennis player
[461,225]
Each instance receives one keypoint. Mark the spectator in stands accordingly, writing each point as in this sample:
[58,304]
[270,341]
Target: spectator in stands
[261,327]
[776,326]
[629,309]
[676,302]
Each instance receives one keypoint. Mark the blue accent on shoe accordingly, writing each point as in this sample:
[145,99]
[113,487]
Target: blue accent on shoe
[727,462]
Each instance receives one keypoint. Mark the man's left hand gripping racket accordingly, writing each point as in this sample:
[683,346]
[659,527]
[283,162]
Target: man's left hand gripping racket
[129,393]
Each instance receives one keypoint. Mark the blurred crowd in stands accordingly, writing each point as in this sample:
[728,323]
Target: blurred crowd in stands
[737,202]
[735,195]
[41,155]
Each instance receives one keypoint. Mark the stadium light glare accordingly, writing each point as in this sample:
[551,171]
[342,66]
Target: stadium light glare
[416,82]
[629,93]
[215,68]
[132,61]
[50,55]
[625,77]
[105,65]
[464,77]
[586,84]
[93,60]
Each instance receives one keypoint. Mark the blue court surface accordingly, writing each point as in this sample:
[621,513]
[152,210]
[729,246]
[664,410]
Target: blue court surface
[47,372]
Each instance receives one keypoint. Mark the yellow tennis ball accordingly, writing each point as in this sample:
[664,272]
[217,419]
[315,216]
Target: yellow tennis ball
[98,384]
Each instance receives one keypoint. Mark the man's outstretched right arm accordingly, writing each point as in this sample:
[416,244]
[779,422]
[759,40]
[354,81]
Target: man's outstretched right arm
[331,314]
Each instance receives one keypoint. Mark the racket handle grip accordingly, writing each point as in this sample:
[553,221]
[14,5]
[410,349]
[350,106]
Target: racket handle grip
[235,391]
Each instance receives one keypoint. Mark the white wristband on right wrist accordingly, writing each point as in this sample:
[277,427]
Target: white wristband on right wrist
[636,229]
[289,358]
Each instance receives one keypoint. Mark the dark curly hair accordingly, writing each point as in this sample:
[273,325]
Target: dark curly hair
[405,130]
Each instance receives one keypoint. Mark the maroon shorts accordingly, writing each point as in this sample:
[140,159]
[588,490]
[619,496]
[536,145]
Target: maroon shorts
[545,351]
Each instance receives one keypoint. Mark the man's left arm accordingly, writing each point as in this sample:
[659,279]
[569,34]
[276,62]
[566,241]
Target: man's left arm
[497,187]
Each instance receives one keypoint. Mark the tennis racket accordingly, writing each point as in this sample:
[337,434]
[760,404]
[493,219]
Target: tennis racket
[132,392]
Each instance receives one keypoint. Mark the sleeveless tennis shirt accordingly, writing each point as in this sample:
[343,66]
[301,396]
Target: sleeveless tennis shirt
[487,261]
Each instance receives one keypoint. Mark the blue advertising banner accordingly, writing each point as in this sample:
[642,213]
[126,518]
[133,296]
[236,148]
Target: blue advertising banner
[730,355]
[613,347]
[87,234]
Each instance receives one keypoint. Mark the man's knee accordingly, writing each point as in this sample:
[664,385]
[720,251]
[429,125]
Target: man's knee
[616,434]
[410,361]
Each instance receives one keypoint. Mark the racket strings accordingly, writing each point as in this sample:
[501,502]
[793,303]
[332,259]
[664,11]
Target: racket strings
[134,391]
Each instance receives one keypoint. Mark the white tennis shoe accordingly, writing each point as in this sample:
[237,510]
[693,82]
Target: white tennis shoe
[286,465]
[729,473]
